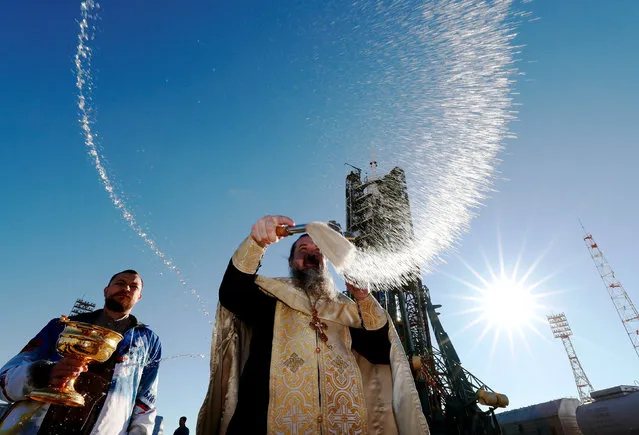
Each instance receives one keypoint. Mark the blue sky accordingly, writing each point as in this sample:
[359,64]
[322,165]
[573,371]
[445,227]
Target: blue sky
[211,116]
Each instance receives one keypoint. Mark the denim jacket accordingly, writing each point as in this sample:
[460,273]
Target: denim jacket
[129,406]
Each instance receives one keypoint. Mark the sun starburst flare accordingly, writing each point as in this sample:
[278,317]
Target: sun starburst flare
[506,303]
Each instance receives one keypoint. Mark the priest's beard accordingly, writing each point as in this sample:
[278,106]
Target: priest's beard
[316,283]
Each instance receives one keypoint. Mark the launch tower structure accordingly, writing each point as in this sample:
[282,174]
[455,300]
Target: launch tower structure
[378,217]
[561,329]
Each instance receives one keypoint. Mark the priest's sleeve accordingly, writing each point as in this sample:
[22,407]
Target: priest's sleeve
[238,292]
[372,341]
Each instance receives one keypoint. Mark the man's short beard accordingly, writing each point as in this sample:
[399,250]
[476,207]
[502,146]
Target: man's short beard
[317,283]
[114,305]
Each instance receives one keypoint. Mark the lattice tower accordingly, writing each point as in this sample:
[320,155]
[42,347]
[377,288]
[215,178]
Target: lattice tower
[561,329]
[620,299]
[82,306]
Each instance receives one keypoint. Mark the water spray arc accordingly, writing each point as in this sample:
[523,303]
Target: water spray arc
[446,80]
[185,355]
[84,85]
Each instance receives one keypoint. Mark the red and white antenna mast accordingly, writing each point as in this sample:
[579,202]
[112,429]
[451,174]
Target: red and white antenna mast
[561,329]
[625,308]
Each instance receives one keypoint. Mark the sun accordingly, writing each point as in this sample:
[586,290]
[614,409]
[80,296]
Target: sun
[506,303]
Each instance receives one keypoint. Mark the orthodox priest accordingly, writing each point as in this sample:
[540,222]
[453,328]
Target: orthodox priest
[296,356]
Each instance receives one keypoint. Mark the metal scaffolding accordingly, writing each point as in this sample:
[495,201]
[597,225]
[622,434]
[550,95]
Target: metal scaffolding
[378,216]
[81,306]
[561,329]
[620,299]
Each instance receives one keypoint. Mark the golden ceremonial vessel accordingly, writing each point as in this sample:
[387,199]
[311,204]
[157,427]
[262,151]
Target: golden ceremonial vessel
[86,343]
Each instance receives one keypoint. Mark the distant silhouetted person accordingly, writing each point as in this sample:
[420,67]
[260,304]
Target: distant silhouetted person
[182,430]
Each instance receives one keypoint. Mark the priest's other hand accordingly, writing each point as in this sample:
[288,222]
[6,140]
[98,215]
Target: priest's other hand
[264,231]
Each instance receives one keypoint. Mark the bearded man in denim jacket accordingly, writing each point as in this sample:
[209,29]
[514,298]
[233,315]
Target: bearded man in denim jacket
[119,393]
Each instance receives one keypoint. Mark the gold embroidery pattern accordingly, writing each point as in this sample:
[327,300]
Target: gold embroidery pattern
[344,405]
[345,312]
[248,256]
[294,406]
[294,395]
[340,364]
[293,362]
[373,314]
